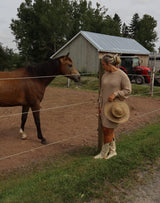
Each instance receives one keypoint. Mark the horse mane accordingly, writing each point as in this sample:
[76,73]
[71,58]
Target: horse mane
[47,68]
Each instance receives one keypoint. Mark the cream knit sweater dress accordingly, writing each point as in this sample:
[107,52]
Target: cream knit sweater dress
[113,82]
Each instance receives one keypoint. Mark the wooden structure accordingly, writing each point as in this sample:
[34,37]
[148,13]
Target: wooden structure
[86,48]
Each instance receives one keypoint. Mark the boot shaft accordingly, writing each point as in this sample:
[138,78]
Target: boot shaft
[104,151]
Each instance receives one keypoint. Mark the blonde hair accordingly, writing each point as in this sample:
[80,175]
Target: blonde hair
[111,58]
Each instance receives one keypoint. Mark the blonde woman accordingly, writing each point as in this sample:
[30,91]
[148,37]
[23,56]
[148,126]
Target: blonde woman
[115,84]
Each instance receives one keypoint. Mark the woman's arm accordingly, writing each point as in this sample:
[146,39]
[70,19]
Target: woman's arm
[126,88]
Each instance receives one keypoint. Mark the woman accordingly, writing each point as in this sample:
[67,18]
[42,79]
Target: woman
[115,84]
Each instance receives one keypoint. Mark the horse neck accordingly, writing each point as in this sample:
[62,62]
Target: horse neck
[46,71]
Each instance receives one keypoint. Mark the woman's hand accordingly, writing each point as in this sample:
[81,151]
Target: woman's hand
[111,98]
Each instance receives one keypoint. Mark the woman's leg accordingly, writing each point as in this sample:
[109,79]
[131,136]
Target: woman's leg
[112,150]
[108,149]
[109,137]
[108,134]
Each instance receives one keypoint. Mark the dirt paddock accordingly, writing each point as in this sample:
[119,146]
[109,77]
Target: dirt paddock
[65,128]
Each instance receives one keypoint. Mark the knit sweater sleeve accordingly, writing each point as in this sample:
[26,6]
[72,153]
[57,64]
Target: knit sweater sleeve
[125,88]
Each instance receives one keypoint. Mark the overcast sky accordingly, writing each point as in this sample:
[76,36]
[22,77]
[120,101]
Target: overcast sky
[124,8]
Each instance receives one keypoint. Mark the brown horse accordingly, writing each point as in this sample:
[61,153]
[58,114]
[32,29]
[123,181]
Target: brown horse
[26,87]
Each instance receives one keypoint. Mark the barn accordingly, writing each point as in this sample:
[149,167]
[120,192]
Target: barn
[86,48]
[154,60]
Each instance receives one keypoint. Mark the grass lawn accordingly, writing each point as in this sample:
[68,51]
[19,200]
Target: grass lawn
[92,84]
[77,177]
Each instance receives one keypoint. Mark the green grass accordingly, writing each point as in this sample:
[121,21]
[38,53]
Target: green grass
[87,83]
[92,84]
[144,90]
[77,177]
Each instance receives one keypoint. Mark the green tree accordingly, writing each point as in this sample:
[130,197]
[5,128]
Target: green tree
[81,13]
[41,27]
[110,26]
[9,60]
[146,34]
[117,20]
[125,30]
[3,58]
[134,26]
[97,18]
[84,17]
[143,30]
[14,60]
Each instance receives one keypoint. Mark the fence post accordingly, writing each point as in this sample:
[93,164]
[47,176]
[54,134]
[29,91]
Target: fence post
[68,82]
[152,76]
[100,131]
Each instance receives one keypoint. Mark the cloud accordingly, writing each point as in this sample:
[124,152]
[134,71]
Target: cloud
[141,1]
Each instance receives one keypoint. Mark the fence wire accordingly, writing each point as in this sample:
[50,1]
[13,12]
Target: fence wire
[59,107]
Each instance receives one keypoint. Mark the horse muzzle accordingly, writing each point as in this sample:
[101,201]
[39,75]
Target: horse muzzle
[77,78]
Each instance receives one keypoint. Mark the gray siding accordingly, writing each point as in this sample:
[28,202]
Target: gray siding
[83,54]
[86,48]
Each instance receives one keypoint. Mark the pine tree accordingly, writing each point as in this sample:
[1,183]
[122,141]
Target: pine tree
[117,20]
[134,26]
[125,30]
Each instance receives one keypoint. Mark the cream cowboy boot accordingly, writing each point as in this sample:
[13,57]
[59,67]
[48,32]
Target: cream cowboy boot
[104,151]
[112,150]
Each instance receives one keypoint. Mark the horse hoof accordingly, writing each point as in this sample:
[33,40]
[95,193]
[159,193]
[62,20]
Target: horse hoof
[24,137]
[43,141]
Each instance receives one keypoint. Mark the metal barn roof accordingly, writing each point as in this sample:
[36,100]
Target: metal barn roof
[108,43]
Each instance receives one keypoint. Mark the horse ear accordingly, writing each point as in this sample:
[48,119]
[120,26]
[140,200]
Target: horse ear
[64,58]
[67,54]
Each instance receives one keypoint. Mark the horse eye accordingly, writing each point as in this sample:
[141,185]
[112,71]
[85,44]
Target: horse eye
[70,65]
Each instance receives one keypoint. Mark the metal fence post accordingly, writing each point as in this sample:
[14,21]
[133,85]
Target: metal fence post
[152,76]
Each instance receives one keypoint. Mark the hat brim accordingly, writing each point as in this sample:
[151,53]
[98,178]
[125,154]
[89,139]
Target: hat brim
[108,111]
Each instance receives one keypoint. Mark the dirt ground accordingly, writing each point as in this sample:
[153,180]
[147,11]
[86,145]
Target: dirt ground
[69,121]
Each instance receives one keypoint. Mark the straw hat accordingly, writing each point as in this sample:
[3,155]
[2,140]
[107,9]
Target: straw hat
[117,111]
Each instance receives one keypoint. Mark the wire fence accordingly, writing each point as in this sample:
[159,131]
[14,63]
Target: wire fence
[37,148]
[62,82]
[61,107]
[72,137]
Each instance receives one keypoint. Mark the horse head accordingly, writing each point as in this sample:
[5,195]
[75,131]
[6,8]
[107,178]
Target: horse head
[68,69]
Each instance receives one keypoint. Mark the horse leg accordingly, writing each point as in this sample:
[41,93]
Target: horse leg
[25,110]
[36,115]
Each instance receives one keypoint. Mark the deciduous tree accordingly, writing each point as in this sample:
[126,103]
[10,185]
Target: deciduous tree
[146,34]
[41,27]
